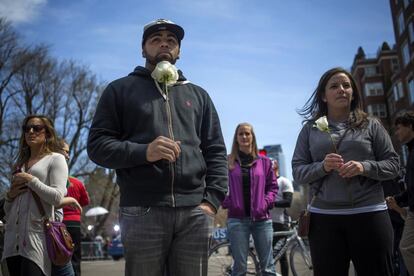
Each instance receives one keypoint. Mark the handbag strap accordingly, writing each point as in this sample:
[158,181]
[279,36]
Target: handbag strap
[39,204]
[36,196]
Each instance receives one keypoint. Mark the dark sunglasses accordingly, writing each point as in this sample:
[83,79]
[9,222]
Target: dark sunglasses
[36,128]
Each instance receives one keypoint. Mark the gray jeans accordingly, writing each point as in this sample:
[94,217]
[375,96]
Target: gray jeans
[159,239]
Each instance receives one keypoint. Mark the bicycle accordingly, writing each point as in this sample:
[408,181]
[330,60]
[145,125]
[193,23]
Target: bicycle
[221,261]
[300,261]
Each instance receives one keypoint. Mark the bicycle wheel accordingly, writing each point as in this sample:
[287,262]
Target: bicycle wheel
[220,261]
[300,261]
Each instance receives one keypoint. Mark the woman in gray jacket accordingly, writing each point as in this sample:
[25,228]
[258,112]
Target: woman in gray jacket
[344,155]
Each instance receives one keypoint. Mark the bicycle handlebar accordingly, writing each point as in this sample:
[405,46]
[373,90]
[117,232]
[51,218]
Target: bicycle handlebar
[292,231]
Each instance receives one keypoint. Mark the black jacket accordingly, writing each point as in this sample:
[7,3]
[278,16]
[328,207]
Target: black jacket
[132,113]
[406,198]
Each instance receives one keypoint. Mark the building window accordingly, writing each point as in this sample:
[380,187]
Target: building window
[411,32]
[391,104]
[378,110]
[404,153]
[405,53]
[398,91]
[411,90]
[395,65]
[406,3]
[401,24]
[370,71]
[373,89]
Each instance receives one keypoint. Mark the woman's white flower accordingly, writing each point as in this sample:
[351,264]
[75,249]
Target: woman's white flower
[322,124]
[165,73]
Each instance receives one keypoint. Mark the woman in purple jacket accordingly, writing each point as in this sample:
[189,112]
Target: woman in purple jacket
[252,191]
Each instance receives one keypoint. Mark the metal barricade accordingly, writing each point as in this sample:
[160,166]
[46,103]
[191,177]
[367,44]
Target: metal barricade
[92,250]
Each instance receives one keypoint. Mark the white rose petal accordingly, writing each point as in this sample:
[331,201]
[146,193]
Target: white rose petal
[165,72]
[322,124]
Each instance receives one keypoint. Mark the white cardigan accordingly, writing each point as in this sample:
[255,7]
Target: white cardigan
[24,234]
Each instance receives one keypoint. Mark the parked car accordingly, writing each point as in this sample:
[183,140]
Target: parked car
[115,248]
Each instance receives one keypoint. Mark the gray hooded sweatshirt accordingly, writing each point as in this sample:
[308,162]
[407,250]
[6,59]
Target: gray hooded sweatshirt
[370,145]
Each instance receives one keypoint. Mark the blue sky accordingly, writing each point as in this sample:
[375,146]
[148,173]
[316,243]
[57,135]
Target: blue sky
[259,60]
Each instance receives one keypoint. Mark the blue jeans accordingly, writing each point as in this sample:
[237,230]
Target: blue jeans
[63,270]
[239,231]
[156,239]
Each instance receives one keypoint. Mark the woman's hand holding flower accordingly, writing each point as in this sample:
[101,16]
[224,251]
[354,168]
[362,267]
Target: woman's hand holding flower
[332,162]
[350,169]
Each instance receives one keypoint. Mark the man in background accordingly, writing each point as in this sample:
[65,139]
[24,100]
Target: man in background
[404,124]
[279,214]
[71,215]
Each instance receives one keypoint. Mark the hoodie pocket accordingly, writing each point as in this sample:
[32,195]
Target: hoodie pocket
[192,168]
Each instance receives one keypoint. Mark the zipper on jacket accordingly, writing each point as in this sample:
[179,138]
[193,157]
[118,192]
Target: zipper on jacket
[171,133]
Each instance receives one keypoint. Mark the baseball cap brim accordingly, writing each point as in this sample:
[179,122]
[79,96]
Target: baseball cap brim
[177,30]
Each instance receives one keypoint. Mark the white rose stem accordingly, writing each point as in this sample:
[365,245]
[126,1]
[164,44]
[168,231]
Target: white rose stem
[336,151]
[170,128]
[333,143]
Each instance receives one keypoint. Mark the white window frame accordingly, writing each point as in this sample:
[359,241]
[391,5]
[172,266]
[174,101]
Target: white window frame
[400,90]
[411,90]
[370,70]
[391,103]
[406,3]
[377,110]
[401,23]
[397,91]
[373,89]
[405,51]
[395,65]
[411,32]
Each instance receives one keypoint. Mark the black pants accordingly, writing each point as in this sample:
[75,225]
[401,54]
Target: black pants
[21,266]
[366,239]
[284,266]
[75,231]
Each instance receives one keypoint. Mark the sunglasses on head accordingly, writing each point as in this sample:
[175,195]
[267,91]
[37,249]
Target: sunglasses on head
[36,128]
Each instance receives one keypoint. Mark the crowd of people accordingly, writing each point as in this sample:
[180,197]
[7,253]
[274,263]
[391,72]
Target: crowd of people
[163,137]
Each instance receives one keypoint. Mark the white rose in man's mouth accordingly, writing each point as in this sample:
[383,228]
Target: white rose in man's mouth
[165,73]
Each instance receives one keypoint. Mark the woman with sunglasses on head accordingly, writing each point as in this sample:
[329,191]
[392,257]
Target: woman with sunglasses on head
[252,191]
[39,169]
[344,159]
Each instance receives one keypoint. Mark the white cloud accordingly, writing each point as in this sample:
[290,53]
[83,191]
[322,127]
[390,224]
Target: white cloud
[18,11]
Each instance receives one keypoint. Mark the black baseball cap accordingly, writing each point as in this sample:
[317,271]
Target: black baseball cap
[161,25]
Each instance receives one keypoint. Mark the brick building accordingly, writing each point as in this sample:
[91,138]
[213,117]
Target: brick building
[386,79]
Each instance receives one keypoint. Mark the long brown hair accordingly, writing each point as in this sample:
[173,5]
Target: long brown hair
[51,144]
[234,154]
[315,107]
